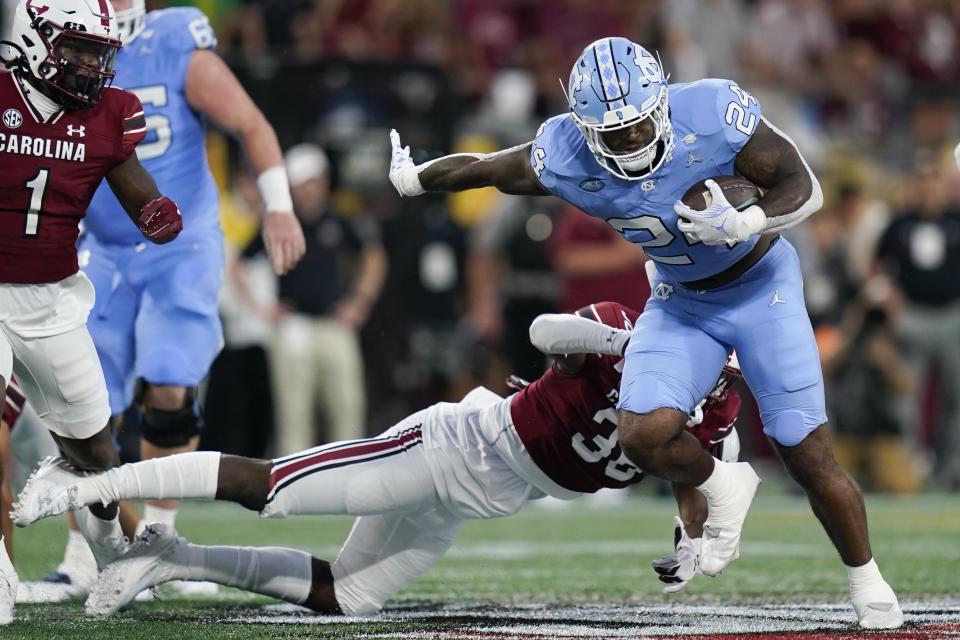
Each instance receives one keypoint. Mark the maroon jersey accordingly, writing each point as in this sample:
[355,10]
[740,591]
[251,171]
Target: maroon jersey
[48,173]
[568,423]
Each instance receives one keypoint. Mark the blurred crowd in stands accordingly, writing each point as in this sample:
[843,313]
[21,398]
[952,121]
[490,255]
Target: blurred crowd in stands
[868,89]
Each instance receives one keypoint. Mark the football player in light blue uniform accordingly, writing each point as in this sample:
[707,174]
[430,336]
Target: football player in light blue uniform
[627,150]
[155,315]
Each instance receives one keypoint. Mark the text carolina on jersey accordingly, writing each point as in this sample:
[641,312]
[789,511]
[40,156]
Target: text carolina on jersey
[43,147]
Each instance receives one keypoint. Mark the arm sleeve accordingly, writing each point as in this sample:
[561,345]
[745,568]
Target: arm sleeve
[812,205]
[567,333]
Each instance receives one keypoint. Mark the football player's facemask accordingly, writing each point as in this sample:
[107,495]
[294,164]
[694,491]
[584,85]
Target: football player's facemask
[618,99]
[67,47]
[130,19]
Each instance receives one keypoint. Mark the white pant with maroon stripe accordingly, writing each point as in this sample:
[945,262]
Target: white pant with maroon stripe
[413,486]
[53,356]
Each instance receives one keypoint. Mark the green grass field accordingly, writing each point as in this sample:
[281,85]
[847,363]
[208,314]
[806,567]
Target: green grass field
[585,553]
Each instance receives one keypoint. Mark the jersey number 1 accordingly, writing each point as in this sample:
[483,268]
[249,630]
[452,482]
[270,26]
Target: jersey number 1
[36,185]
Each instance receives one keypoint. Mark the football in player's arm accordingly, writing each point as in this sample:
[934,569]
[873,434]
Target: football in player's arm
[412,487]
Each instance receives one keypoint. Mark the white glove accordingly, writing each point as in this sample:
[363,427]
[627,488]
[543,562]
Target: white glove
[719,222]
[678,569]
[404,174]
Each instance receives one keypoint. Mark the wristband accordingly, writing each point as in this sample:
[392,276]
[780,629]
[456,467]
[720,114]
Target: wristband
[752,222]
[275,190]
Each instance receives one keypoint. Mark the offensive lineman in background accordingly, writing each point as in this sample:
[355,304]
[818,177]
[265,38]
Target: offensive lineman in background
[155,317]
[64,131]
[412,487]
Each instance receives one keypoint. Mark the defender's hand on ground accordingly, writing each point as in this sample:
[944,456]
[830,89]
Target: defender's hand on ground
[678,569]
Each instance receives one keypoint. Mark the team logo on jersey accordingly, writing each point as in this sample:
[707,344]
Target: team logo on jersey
[690,138]
[648,185]
[12,118]
[79,130]
[692,158]
[663,291]
[592,184]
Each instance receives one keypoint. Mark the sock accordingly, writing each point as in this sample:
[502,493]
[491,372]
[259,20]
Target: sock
[100,530]
[286,574]
[715,486]
[864,576]
[184,475]
[76,554]
[152,513]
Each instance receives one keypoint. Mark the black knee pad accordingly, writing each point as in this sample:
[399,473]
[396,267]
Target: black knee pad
[172,428]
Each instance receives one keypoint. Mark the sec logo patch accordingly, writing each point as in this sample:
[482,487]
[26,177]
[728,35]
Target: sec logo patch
[12,118]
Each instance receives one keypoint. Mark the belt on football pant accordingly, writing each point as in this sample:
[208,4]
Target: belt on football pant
[738,268]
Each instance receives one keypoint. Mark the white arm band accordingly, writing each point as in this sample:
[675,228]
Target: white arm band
[813,203]
[566,333]
[275,190]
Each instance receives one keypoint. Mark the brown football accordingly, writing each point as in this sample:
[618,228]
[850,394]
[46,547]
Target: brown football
[740,192]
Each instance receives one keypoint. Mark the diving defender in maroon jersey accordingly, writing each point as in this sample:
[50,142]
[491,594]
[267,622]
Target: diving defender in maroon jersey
[412,487]
[62,131]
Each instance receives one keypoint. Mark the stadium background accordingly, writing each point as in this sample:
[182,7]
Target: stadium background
[867,88]
[869,91]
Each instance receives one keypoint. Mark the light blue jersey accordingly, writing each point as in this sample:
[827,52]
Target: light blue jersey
[683,337]
[154,67]
[712,121]
[155,315]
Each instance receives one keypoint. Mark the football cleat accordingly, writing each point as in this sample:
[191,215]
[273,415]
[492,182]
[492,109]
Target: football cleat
[8,586]
[877,607]
[57,586]
[150,560]
[725,516]
[49,491]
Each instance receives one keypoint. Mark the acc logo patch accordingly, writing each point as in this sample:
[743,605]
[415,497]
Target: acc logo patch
[12,118]
[592,184]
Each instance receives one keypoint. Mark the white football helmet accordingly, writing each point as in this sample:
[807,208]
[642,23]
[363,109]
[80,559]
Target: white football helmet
[67,47]
[130,20]
[618,92]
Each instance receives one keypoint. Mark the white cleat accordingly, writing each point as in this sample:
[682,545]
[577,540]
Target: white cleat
[56,587]
[725,516]
[877,607]
[49,491]
[151,559]
[8,586]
